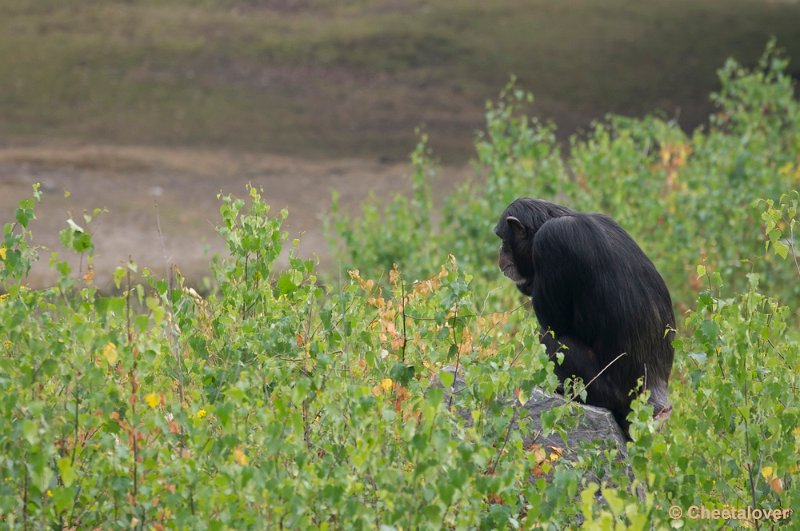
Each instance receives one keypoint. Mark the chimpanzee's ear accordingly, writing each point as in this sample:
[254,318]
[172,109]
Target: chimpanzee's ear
[520,232]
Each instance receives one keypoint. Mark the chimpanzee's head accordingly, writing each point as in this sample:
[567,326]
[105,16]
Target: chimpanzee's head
[516,228]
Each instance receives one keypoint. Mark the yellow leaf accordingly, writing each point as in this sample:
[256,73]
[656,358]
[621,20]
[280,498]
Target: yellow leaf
[394,275]
[538,453]
[239,456]
[521,398]
[110,353]
[387,384]
[767,472]
[3,253]
[152,400]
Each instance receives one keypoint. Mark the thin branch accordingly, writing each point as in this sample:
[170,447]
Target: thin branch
[596,376]
[791,247]
[171,332]
[413,318]
[134,443]
[505,440]
[75,427]
[745,414]
[458,361]
[244,307]
[403,309]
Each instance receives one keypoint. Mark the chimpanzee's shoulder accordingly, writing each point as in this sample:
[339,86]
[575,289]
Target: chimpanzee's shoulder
[566,232]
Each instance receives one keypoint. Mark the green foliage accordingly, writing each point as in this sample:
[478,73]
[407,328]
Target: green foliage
[733,437]
[271,402]
[779,226]
[16,251]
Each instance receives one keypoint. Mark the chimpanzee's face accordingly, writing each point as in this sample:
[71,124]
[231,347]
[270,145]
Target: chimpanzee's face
[514,249]
[505,261]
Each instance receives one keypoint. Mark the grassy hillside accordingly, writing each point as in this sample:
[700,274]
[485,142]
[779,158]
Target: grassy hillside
[355,77]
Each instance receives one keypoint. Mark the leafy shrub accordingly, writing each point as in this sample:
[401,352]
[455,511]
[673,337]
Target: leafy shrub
[271,402]
[733,437]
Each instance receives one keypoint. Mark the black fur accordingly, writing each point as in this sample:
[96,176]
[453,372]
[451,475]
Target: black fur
[596,296]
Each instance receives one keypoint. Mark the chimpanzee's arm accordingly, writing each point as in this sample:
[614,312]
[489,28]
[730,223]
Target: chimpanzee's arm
[580,361]
[569,258]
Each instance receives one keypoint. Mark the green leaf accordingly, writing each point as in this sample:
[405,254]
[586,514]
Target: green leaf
[446,377]
[781,249]
[141,322]
[402,373]
[24,213]
[30,431]
[68,474]
[614,501]
[119,274]
[113,304]
[285,284]
[63,498]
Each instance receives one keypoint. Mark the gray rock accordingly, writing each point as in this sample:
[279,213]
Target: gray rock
[593,425]
[587,425]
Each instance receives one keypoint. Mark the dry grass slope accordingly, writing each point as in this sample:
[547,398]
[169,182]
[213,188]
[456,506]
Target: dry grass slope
[354,78]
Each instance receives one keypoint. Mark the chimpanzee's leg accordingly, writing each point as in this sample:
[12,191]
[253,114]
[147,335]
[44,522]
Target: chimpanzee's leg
[580,361]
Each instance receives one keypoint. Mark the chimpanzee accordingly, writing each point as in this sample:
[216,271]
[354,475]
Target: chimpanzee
[596,296]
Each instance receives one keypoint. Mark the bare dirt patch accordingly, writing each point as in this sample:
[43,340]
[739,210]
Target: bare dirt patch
[179,187]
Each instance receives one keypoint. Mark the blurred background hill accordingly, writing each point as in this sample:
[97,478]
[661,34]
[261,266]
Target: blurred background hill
[130,102]
[343,78]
